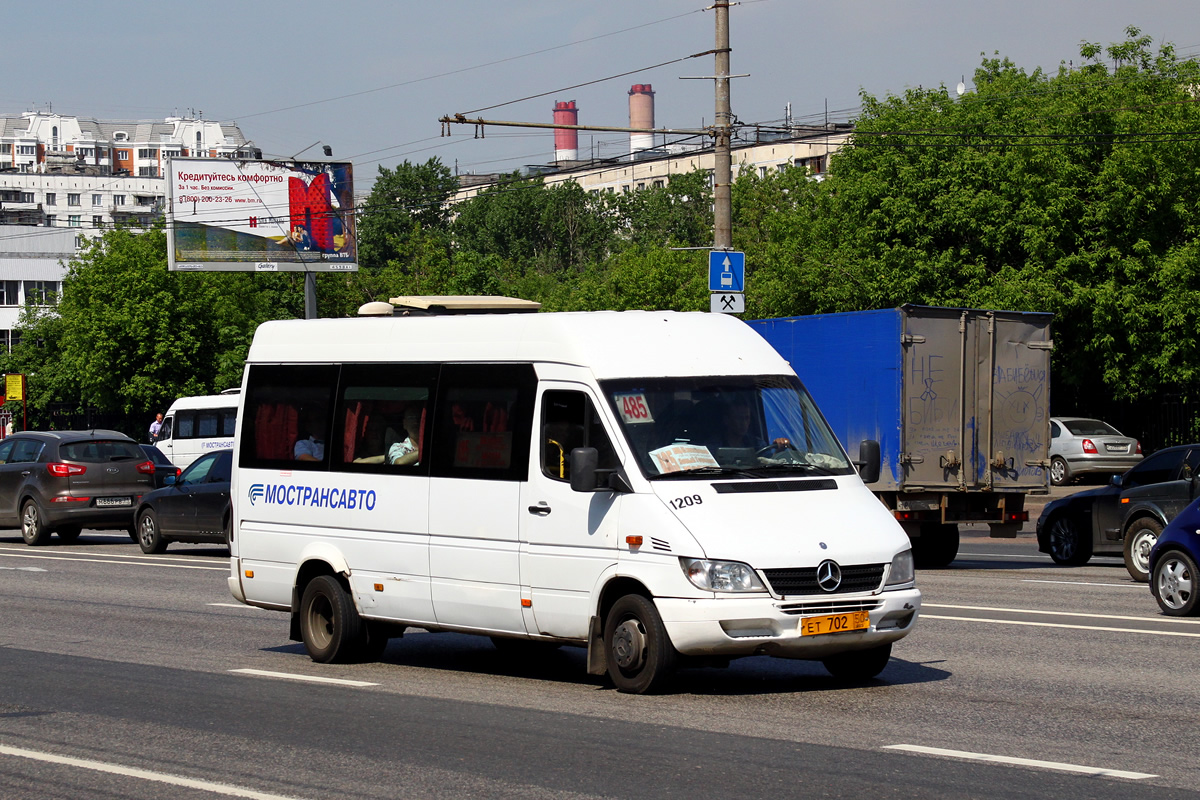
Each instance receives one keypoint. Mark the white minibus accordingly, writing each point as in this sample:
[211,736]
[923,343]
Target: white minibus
[198,425]
[657,487]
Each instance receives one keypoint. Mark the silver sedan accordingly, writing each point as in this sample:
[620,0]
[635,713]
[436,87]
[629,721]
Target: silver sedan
[1080,446]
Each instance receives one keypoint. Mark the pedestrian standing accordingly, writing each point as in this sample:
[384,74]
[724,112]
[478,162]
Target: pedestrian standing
[155,427]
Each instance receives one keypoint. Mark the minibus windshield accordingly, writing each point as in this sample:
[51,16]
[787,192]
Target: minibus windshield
[758,426]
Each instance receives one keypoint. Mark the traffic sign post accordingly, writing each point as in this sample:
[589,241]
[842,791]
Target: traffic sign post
[727,303]
[726,281]
[726,271]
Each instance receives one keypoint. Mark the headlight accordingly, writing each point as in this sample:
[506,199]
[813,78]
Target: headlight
[721,576]
[902,569]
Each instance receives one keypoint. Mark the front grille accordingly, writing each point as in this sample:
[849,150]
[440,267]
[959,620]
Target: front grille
[803,580]
[829,607]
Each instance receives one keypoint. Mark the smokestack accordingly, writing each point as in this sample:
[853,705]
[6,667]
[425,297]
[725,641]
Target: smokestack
[566,142]
[641,115]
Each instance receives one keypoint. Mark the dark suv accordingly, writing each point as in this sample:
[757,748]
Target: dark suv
[61,481]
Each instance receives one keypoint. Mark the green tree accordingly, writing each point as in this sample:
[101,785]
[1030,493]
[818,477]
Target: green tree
[1073,193]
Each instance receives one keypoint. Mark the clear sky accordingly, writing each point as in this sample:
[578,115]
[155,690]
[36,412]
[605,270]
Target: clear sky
[371,77]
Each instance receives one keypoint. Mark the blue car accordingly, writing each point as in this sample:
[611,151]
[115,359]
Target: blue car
[1173,576]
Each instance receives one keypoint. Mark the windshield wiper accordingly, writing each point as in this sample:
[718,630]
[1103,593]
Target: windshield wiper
[698,471]
[812,469]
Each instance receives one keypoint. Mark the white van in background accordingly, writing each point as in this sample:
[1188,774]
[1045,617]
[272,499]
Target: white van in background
[198,425]
[656,487]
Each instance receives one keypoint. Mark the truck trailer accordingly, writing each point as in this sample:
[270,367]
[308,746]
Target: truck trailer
[958,400]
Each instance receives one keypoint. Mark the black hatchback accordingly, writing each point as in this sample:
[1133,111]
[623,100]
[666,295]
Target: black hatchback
[63,481]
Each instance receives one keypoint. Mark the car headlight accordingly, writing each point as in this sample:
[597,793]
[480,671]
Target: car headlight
[902,569]
[721,576]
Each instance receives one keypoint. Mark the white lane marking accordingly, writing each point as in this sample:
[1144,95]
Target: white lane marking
[143,774]
[24,569]
[125,563]
[1063,625]
[97,554]
[288,676]
[1141,586]
[1172,620]
[1098,772]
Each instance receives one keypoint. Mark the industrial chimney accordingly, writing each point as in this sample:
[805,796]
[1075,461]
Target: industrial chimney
[566,141]
[641,115]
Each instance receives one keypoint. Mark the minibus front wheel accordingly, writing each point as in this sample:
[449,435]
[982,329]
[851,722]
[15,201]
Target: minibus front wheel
[638,650]
[329,623]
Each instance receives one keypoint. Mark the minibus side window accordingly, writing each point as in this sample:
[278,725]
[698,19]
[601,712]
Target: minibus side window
[483,421]
[568,421]
[228,422]
[382,419]
[288,416]
[185,425]
[164,432]
[206,424]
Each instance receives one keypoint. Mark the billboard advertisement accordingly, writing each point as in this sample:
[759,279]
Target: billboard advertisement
[260,216]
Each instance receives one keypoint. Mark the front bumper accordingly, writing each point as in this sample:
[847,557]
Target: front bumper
[743,626]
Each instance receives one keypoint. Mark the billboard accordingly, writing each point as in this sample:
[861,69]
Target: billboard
[260,216]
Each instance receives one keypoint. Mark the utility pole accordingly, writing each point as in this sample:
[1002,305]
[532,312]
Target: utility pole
[723,134]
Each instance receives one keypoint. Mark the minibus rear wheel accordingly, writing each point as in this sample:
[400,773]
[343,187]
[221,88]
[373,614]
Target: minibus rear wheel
[329,623]
[638,650]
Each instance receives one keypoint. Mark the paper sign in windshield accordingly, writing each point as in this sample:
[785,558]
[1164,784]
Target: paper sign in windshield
[680,457]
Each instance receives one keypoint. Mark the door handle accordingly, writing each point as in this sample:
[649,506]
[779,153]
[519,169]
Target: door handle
[541,509]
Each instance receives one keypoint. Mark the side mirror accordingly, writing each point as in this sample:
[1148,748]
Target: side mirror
[583,469]
[1115,480]
[584,473]
[869,460]
[170,480]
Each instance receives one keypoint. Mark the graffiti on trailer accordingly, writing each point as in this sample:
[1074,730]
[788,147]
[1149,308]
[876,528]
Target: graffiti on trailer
[1021,416]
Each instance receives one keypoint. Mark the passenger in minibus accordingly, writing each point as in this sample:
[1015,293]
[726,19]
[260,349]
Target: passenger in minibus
[312,446]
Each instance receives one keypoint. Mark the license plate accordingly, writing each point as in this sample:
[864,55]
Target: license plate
[1116,448]
[113,501]
[835,623]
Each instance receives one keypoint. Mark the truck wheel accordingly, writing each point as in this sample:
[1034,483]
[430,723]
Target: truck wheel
[329,623]
[33,525]
[1139,540]
[1060,473]
[936,547]
[1174,584]
[1070,544]
[639,653]
[859,665]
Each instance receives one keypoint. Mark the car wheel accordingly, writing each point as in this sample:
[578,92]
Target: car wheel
[859,665]
[1174,584]
[638,650]
[33,525]
[1139,541]
[68,533]
[149,536]
[1059,472]
[1069,543]
[329,623]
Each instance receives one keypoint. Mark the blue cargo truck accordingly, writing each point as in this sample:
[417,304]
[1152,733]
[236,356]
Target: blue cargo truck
[958,400]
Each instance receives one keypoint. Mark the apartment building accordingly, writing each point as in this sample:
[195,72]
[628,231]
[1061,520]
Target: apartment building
[64,178]
[808,148]
[58,170]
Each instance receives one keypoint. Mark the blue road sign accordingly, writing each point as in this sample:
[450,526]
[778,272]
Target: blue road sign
[726,271]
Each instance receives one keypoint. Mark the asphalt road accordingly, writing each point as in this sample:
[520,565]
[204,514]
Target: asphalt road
[134,676]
